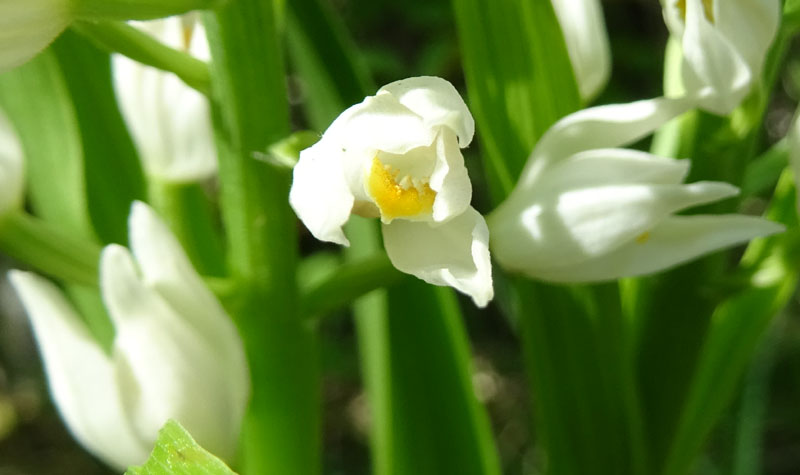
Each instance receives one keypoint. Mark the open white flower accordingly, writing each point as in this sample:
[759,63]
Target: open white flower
[584,211]
[170,122]
[29,26]
[587,43]
[397,156]
[724,45]
[11,167]
[176,353]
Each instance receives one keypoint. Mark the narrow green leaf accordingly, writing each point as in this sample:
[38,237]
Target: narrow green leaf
[176,453]
[36,98]
[579,358]
[49,250]
[519,78]
[737,326]
[113,174]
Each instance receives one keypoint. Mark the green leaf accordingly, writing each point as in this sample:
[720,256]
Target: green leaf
[736,329]
[176,453]
[579,358]
[519,78]
[36,99]
[113,173]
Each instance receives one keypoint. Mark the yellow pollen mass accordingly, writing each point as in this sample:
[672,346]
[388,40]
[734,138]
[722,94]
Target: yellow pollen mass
[643,238]
[395,200]
[708,9]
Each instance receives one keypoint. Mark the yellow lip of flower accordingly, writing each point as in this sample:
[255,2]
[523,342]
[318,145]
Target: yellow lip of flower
[708,9]
[398,200]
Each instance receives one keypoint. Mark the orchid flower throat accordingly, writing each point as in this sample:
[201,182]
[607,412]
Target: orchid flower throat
[708,9]
[396,196]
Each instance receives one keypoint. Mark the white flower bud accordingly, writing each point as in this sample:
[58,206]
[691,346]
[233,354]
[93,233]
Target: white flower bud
[176,353]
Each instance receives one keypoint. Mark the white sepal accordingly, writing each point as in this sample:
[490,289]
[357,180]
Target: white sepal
[27,27]
[175,355]
[675,240]
[585,35]
[83,381]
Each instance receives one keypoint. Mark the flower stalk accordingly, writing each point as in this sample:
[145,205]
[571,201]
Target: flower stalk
[282,429]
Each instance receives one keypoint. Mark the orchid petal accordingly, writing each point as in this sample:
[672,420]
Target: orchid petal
[450,179]
[82,379]
[759,18]
[437,102]
[454,253]
[713,68]
[382,123]
[587,43]
[166,269]
[161,354]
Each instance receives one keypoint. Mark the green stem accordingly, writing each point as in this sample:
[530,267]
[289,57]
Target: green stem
[118,37]
[281,432]
[350,281]
[188,213]
[48,250]
[137,9]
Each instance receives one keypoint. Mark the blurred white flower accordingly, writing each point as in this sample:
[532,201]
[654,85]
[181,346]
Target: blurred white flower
[396,156]
[586,37]
[724,45]
[29,26]
[170,122]
[584,211]
[176,353]
[11,167]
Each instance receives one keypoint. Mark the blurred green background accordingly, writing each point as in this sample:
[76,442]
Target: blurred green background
[411,38]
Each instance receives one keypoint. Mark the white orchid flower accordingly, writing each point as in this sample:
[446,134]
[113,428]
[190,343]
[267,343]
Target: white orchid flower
[11,167]
[585,35]
[176,353]
[29,26]
[724,45]
[585,211]
[397,156]
[170,122]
